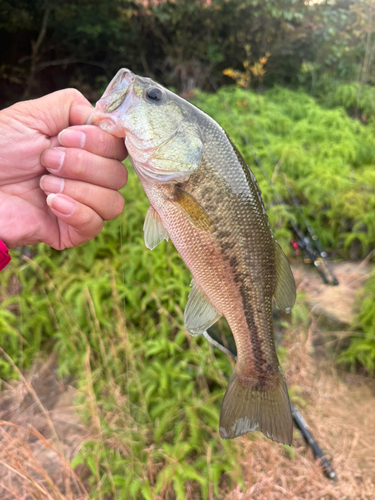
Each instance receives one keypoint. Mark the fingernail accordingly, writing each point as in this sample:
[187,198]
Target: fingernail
[72,138]
[52,159]
[60,204]
[51,184]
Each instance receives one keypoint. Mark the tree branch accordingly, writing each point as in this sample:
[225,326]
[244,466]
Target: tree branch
[35,48]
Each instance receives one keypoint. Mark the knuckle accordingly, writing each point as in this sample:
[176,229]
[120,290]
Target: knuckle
[69,95]
[96,227]
[107,144]
[89,223]
[123,177]
[103,142]
[80,167]
[118,205]
[73,188]
[72,94]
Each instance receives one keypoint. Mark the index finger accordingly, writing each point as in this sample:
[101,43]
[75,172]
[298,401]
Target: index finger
[51,113]
[94,140]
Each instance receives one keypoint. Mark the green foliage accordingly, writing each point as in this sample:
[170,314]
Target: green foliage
[361,350]
[327,158]
[112,309]
[358,100]
[184,43]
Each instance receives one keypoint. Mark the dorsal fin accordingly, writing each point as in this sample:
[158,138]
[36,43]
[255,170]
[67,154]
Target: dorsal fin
[285,290]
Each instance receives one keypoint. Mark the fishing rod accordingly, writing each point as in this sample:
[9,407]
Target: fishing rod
[311,442]
[231,350]
[316,256]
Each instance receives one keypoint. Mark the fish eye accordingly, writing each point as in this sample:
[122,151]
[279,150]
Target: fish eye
[154,95]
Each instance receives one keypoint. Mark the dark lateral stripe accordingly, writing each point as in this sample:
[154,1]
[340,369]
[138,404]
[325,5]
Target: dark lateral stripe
[259,334]
[256,334]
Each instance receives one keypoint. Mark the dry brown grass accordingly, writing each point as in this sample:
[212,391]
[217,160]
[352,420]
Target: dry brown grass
[39,435]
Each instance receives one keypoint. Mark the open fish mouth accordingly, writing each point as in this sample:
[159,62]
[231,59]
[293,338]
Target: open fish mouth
[116,91]
[112,99]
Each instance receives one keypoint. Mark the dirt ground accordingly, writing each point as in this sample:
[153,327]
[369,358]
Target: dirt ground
[336,302]
[40,431]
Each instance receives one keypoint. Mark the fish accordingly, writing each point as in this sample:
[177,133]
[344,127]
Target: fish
[205,198]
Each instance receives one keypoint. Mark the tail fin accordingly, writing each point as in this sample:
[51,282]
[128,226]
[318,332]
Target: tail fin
[248,408]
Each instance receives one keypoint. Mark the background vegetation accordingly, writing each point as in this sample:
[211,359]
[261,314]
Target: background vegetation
[295,92]
[51,44]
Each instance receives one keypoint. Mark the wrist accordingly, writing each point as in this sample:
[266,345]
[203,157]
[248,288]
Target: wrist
[4,255]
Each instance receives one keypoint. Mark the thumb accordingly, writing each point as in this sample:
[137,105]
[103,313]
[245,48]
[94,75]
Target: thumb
[54,112]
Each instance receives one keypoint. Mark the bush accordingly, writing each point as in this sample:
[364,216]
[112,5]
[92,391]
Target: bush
[327,158]
[361,351]
[357,100]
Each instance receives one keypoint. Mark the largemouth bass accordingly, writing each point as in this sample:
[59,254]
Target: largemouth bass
[205,198]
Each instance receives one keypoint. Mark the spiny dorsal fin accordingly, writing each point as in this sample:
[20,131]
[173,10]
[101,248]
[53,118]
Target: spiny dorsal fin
[285,290]
[193,210]
[199,313]
[154,231]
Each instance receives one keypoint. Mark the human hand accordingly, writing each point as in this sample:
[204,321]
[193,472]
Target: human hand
[47,136]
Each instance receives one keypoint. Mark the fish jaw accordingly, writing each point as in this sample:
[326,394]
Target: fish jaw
[110,110]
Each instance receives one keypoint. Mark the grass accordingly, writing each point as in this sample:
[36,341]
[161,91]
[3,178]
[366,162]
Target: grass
[326,157]
[112,312]
[360,354]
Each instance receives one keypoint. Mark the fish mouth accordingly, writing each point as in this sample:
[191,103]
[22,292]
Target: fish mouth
[116,91]
[113,97]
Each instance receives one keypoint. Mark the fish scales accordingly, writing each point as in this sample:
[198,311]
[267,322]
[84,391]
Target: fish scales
[205,198]
[236,234]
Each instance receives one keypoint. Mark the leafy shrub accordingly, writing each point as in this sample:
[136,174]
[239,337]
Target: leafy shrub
[357,100]
[327,158]
[361,351]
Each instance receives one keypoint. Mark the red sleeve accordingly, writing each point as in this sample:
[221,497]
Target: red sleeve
[4,255]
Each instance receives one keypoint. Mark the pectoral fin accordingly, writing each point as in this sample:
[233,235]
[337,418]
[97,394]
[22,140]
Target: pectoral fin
[285,291]
[199,313]
[193,210]
[154,231]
